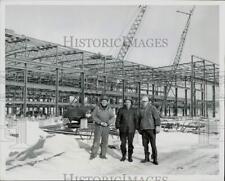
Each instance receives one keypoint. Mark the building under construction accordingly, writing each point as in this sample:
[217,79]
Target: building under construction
[42,76]
[51,89]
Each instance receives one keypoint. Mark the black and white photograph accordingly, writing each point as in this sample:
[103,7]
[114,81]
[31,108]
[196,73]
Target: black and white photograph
[112,92]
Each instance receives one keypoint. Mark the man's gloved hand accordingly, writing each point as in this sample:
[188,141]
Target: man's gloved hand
[139,131]
[157,129]
[104,124]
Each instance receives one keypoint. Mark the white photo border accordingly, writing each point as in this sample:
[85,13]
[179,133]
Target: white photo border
[221,4]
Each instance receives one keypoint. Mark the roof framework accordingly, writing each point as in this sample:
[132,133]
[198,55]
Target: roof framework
[30,61]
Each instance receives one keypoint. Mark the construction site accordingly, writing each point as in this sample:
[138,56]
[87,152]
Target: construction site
[42,78]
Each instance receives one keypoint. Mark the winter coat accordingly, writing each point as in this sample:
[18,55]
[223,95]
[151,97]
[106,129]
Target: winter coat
[103,115]
[126,119]
[148,117]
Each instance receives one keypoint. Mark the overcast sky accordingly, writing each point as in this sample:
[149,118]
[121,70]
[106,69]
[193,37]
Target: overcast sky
[52,23]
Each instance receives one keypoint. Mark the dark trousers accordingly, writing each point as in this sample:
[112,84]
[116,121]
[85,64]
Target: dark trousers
[124,136]
[149,135]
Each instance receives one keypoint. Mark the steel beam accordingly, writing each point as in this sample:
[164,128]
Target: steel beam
[43,64]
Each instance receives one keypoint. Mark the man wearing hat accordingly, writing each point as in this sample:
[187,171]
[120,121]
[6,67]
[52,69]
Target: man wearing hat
[148,126]
[126,121]
[103,117]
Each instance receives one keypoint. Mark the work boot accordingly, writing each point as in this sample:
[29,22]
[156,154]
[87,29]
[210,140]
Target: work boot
[130,158]
[155,162]
[146,159]
[123,157]
[92,157]
[123,151]
[152,157]
[103,157]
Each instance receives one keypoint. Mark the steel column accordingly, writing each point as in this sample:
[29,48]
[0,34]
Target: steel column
[123,83]
[139,94]
[105,79]
[57,86]
[175,103]
[25,90]
[202,100]
[153,93]
[123,90]
[185,101]
[165,104]
[139,87]
[147,89]
[214,92]
[204,89]
[57,93]
[195,101]
[82,83]
[192,88]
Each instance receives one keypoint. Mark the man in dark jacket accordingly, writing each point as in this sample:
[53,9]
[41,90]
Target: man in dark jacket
[148,127]
[126,123]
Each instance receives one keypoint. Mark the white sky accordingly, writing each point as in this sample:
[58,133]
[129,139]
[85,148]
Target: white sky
[52,23]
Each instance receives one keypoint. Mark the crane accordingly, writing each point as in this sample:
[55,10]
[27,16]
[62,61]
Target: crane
[127,41]
[178,55]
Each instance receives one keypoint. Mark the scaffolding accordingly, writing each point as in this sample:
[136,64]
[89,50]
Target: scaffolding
[41,76]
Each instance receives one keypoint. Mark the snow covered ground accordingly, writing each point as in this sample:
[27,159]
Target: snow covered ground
[54,155]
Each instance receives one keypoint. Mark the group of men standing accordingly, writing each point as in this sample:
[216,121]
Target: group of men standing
[145,120]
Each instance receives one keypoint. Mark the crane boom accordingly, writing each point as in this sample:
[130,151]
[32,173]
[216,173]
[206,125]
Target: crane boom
[127,41]
[178,54]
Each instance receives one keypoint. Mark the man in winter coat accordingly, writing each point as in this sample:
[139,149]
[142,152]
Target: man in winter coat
[103,117]
[126,122]
[148,127]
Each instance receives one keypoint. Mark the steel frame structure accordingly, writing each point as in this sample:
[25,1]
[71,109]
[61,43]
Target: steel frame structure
[42,75]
